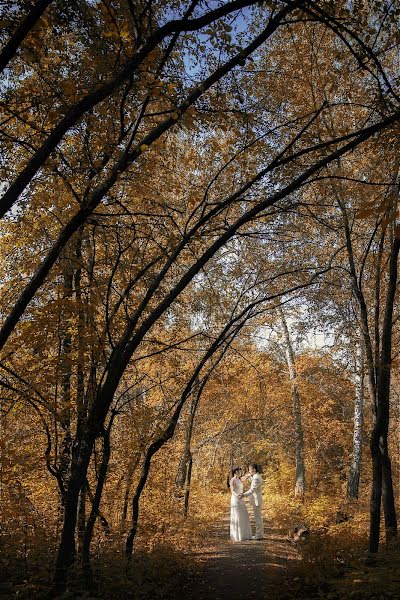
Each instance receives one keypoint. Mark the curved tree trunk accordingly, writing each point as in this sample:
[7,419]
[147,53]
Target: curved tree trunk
[103,521]
[94,513]
[225,337]
[131,469]
[186,458]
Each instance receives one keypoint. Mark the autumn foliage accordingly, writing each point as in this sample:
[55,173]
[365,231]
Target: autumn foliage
[198,268]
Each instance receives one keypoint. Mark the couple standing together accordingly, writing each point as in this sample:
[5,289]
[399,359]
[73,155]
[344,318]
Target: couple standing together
[240,528]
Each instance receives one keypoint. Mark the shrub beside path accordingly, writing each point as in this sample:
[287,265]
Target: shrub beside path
[272,569]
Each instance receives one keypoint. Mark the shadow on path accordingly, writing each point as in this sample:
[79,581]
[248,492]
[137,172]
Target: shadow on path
[242,570]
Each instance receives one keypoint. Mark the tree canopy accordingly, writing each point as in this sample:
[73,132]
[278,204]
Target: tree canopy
[198,262]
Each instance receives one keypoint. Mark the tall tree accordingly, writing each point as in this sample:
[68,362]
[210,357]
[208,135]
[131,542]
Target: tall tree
[355,467]
[300,478]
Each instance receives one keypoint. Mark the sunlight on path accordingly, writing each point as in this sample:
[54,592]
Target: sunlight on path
[243,569]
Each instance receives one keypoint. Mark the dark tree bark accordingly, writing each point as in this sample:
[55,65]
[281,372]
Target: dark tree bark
[80,373]
[300,477]
[81,453]
[379,384]
[80,366]
[186,458]
[381,471]
[22,30]
[88,533]
[81,519]
[64,410]
[102,519]
[131,469]
[76,111]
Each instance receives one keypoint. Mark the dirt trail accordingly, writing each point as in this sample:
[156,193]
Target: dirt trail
[244,570]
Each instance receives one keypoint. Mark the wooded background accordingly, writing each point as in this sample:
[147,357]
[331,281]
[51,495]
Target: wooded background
[199,246]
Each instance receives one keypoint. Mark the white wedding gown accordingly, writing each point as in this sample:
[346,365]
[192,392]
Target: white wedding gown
[240,528]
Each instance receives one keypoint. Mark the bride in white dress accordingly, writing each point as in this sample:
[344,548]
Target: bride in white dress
[240,528]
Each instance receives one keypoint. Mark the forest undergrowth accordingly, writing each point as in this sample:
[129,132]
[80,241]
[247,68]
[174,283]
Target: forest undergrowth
[332,560]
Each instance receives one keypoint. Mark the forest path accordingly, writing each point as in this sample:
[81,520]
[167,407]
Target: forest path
[244,570]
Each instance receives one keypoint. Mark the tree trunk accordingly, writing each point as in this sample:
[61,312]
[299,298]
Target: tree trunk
[131,469]
[300,478]
[183,469]
[169,431]
[382,474]
[64,410]
[81,519]
[103,521]
[80,366]
[96,500]
[153,449]
[187,490]
[355,469]
[376,493]
[388,496]
[379,381]
[81,453]
[22,30]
